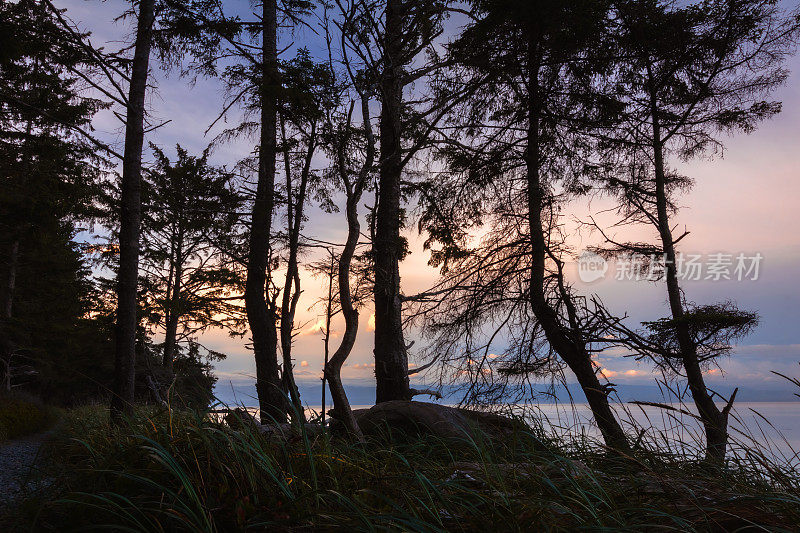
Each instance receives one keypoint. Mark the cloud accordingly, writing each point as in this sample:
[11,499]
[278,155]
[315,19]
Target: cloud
[758,362]
[485,371]
[631,373]
[747,365]
[234,377]
[317,327]
[616,352]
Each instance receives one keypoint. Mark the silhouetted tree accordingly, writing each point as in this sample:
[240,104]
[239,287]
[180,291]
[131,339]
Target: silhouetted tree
[389,39]
[160,26]
[516,151]
[130,216]
[347,144]
[310,93]
[49,175]
[260,313]
[189,209]
[253,79]
[688,73]
[326,268]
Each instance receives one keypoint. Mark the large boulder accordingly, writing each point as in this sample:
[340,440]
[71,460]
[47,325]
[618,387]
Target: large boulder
[421,418]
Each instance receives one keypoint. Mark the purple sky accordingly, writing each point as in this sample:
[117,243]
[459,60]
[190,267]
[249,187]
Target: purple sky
[745,202]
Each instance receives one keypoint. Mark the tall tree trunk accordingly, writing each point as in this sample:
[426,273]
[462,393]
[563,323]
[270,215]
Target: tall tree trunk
[260,314]
[6,345]
[566,343]
[12,265]
[291,288]
[168,293]
[170,342]
[171,330]
[130,218]
[173,312]
[391,358]
[715,421]
[327,338]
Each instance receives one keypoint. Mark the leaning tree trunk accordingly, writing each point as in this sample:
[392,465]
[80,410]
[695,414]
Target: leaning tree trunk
[715,420]
[260,315]
[333,367]
[565,343]
[130,218]
[391,358]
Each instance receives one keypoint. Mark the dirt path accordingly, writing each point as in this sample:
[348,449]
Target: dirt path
[18,463]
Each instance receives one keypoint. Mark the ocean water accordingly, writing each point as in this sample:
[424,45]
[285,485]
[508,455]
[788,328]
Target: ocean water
[771,428]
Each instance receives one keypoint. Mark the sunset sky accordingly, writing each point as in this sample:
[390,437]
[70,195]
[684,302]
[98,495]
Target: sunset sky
[745,202]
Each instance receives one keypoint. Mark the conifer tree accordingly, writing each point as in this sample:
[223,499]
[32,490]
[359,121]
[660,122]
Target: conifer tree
[394,43]
[515,151]
[687,74]
[190,209]
[253,79]
[49,174]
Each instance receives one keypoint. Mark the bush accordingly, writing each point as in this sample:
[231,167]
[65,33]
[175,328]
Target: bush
[20,416]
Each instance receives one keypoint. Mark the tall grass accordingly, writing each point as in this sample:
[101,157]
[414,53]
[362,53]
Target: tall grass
[183,471]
